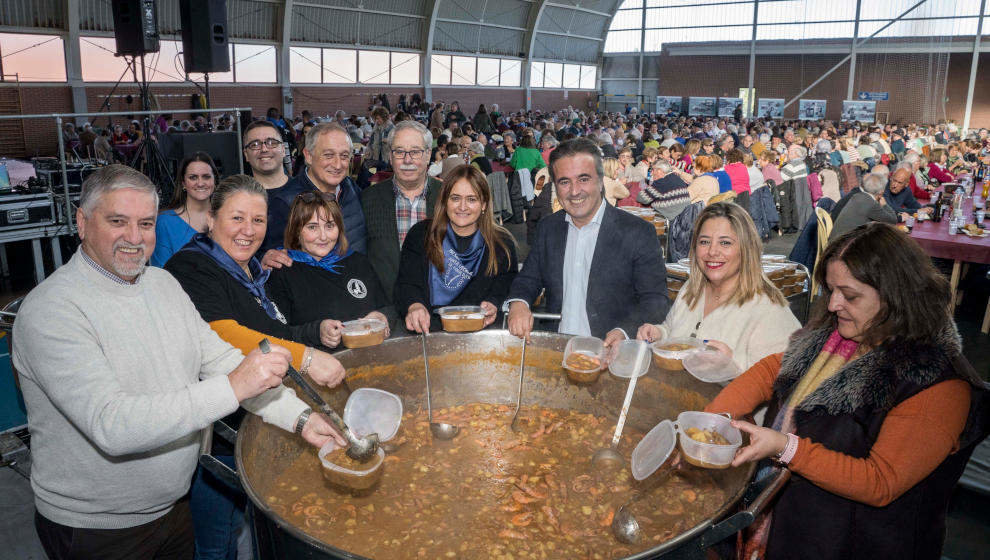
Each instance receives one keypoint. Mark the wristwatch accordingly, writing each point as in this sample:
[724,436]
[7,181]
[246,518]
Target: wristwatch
[301,421]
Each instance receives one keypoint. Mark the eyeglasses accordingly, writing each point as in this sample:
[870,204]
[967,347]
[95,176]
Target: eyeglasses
[312,196]
[414,154]
[270,143]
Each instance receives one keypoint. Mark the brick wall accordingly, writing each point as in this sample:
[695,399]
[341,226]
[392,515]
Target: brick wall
[508,100]
[175,98]
[904,76]
[40,137]
[322,100]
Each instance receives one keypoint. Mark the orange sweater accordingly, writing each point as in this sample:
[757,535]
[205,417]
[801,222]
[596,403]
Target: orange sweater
[916,436]
[246,340]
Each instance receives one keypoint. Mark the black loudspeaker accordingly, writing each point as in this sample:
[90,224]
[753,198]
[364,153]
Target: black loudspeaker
[204,35]
[135,26]
[222,147]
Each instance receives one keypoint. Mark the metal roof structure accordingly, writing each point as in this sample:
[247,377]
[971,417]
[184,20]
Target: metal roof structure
[559,30]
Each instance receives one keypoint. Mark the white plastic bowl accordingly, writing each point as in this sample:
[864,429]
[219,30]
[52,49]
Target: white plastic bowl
[628,362]
[711,366]
[707,455]
[653,450]
[462,318]
[348,478]
[672,359]
[373,411]
[362,333]
[589,346]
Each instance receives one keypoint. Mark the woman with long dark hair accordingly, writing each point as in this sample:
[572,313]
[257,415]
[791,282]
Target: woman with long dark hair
[459,257]
[872,407]
[187,213]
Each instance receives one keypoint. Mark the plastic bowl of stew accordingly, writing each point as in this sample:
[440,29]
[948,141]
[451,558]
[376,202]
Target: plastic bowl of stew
[341,470]
[462,318]
[584,357]
[362,333]
[707,440]
[670,353]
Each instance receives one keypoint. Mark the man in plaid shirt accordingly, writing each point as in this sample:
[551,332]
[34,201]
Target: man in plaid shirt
[394,206]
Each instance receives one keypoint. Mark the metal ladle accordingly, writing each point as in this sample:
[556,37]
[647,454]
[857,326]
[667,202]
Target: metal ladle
[625,528]
[522,369]
[608,457]
[359,449]
[387,446]
[440,430]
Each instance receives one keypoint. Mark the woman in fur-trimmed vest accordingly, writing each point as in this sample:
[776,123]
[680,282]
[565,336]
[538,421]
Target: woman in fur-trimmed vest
[872,408]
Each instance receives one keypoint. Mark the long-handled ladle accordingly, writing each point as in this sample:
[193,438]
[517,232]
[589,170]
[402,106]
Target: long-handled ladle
[440,430]
[522,369]
[608,456]
[359,449]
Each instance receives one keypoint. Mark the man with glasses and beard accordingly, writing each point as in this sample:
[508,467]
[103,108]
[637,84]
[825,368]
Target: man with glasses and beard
[328,161]
[120,375]
[394,206]
[265,153]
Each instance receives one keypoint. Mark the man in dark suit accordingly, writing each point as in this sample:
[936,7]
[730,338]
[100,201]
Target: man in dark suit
[328,161]
[393,206]
[601,267]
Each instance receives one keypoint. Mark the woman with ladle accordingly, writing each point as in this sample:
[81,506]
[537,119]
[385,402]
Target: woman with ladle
[226,284]
[459,257]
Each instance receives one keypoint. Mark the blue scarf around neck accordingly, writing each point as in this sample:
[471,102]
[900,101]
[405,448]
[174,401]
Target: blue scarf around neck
[328,263]
[458,268]
[201,243]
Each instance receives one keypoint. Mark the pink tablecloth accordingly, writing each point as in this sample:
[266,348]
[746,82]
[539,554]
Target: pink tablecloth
[935,239]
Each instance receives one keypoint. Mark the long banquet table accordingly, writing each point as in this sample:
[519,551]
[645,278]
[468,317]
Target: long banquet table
[935,239]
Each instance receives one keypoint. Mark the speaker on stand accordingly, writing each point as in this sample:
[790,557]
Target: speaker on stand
[204,38]
[135,26]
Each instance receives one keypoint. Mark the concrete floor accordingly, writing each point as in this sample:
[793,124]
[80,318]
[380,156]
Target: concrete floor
[18,539]
[968,530]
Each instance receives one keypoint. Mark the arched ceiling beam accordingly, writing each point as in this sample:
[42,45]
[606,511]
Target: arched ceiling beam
[359,10]
[426,64]
[580,9]
[283,59]
[608,25]
[532,24]
[482,24]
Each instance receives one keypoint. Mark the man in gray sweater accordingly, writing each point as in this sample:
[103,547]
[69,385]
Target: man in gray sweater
[864,206]
[120,375]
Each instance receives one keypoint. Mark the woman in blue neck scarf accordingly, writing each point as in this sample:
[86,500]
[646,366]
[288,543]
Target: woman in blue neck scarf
[459,257]
[326,278]
[228,288]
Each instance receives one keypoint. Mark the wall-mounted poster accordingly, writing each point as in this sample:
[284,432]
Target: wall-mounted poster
[669,103]
[770,108]
[811,109]
[727,105]
[701,106]
[861,111]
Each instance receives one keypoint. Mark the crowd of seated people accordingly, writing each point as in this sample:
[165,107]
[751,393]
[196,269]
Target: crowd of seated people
[289,252]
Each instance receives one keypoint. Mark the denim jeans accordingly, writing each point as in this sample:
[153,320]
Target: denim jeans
[217,514]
